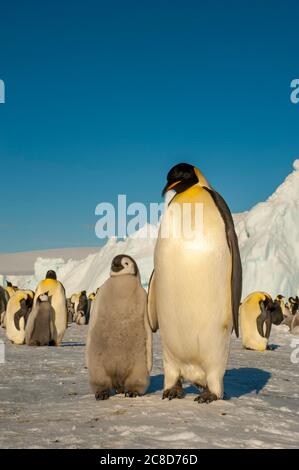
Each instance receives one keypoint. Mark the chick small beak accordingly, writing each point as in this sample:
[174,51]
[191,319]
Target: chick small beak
[168,187]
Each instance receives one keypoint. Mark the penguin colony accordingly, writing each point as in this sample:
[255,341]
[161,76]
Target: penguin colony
[194,299]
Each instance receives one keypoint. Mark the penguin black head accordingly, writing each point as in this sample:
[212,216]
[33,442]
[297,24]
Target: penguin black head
[182,177]
[279,297]
[123,264]
[275,311]
[51,275]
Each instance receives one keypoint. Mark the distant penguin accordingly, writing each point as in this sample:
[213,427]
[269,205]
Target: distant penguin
[70,310]
[10,289]
[284,308]
[75,302]
[82,309]
[195,290]
[17,313]
[90,300]
[294,303]
[119,341]
[257,313]
[56,292]
[40,328]
[286,311]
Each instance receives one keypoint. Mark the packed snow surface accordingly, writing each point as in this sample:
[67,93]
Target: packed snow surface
[46,402]
[44,393]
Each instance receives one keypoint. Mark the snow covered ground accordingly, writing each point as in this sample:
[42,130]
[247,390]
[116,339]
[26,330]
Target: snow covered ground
[45,401]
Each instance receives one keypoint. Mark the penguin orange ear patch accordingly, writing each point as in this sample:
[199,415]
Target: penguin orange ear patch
[201,179]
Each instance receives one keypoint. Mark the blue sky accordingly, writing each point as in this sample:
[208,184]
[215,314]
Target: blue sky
[102,98]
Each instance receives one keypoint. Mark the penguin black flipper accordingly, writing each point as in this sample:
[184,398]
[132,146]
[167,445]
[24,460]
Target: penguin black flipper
[151,305]
[232,240]
[23,312]
[3,300]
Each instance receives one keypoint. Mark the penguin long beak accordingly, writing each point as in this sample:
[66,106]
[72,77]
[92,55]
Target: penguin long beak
[168,187]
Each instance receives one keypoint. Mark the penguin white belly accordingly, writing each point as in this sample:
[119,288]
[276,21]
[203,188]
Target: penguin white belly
[14,335]
[193,282]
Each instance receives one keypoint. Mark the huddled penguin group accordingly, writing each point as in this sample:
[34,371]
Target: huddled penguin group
[37,319]
[194,299]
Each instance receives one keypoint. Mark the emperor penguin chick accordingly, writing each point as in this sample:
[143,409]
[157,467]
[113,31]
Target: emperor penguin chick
[40,329]
[54,289]
[119,341]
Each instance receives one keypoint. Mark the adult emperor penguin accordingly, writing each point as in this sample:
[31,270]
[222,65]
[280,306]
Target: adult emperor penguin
[119,340]
[287,314]
[17,313]
[195,290]
[10,289]
[55,290]
[294,303]
[40,328]
[257,313]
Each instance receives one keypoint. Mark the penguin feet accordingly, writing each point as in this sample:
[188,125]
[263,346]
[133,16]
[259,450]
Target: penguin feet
[103,395]
[131,394]
[174,392]
[206,397]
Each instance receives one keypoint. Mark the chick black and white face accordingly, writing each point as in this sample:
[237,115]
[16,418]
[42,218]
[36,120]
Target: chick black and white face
[44,297]
[123,264]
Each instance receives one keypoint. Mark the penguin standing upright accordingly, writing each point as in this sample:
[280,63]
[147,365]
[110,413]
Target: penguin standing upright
[90,301]
[119,341]
[294,303]
[257,313]
[40,328]
[17,313]
[287,314]
[195,290]
[55,290]
[75,302]
[82,309]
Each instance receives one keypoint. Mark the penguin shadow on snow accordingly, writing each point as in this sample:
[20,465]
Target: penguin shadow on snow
[156,383]
[245,380]
[273,347]
[237,382]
